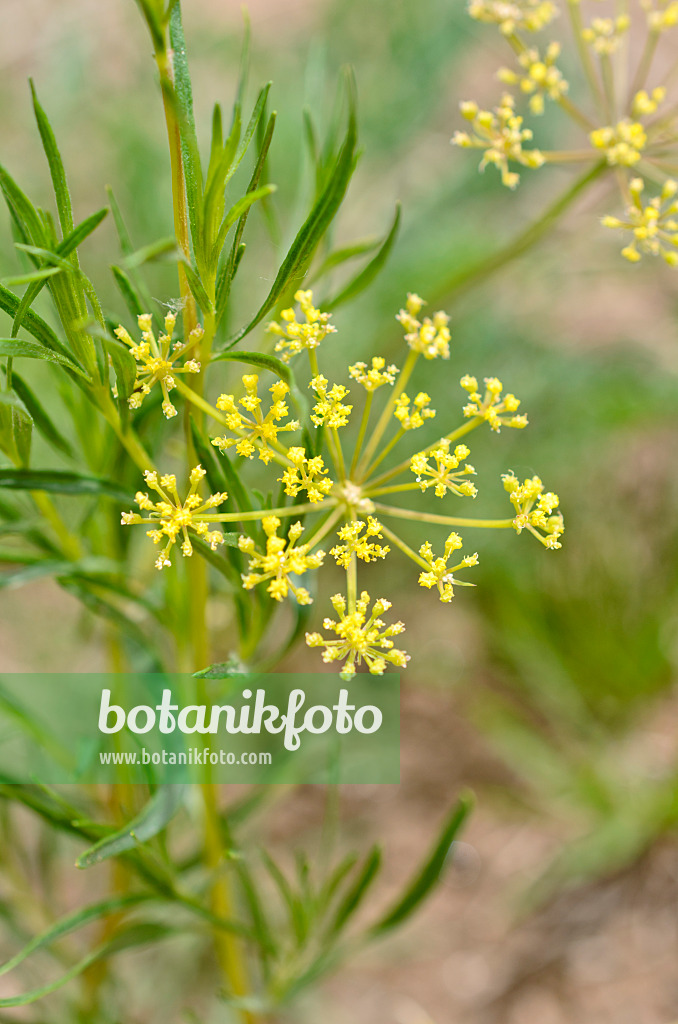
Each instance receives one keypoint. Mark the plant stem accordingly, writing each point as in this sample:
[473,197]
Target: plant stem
[480,271]
[405,548]
[431,517]
[228,949]
[361,432]
[385,417]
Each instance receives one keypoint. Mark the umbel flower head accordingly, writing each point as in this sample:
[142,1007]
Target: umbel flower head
[445,475]
[513,15]
[538,77]
[156,359]
[256,432]
[360,637]
[295,335]
[534,509]
[439,574]
[429,337]
[354,486]
[654,225]
[492,407]
[360,544]
[281,559]
[306,474]
[629,134]
[500,133]
[171,518]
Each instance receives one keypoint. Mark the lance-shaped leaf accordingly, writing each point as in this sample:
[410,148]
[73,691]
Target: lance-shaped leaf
[15,348]
[296,263]
[429,873]
[365,277]
[155,816]
[60,482]
[42,421]
[357,892]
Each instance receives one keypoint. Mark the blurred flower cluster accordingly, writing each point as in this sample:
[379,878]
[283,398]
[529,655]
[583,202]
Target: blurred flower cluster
[623,106]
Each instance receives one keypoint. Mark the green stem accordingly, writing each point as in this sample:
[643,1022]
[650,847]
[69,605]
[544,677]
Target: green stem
[583,50]
[405,548]
[430,517]
[478,272]
[385,417]
[361,432]
[644,65]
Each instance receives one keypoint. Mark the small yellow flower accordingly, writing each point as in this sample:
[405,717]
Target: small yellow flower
[540,77]
[430,337]
[171,517]
[411,419]
[623,144]
[441,575]
[296,336]
[534,509]
[359,543]
[604,35]
[156,358]
[257,431]
[501,134]
[661,16]
[443,475]
[282,559]
[514,15]
[654,225]
[360,638]
[645,103]
[491,406]
[375,376]
[329,409]
[307,475]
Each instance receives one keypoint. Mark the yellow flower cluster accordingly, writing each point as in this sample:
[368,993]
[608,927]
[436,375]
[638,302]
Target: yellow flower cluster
[605,34]
[492,407]
[444,476]
[645,103]
[430,337]
[375,376]
[513,15]
[306,474]
[360,637]
[357,543]
[623,143]
[439,574]
[345,494]
[662,16]
[257,432]
[534,509]
[540,76]
[500,133]
[156,359]
[281,559]
[171,517]
[414,417]
[295,336]
[654,225]
[329,409]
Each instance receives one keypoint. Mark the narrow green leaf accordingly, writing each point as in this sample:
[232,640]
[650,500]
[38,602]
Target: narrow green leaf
[155,816]
[16,428]
[15,348]
[56,166]
[154,251]
[42,421]
[296,263]
[196,286]
[82,231]
[32,277]
[339,256]
[33,323]
[236,211]
[128,291]
[124,239]
[357,892]
[58,569]
[428,875]
[60,482]
[184,106]
[267,362]
[124,366]
[22,209]
[129,938]
[73,922]
[368,273]
[261,929]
